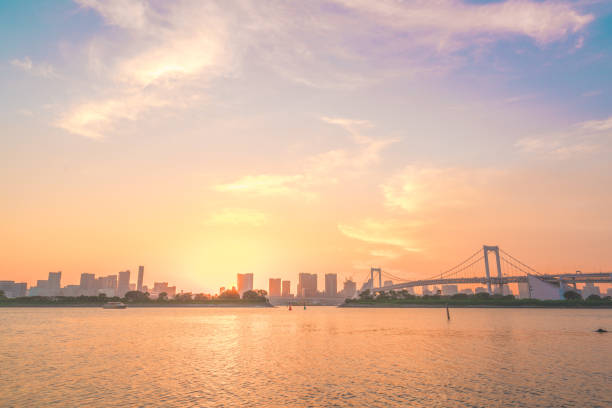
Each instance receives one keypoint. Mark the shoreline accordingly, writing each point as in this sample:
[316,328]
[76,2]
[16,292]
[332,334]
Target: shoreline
[143,306]
[455,306]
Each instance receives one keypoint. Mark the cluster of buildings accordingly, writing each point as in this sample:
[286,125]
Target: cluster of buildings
[307,286]
[89,285]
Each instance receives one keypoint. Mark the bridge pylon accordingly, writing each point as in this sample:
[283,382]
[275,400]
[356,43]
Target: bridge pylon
[495,250]
[372,270]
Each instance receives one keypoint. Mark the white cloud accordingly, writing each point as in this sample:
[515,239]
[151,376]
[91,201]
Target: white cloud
[43,70]
[166,49]
[451,20]
[122,13]
[161,54]
[388,232]
[96,119]
[265,185]
[320,169]
[582,138]
[423,189]
[591,93]
[598,125]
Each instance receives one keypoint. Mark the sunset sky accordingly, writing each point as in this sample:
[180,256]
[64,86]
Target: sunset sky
[204,139]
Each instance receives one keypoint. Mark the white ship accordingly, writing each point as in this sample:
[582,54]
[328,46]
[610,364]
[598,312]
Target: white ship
[114,305]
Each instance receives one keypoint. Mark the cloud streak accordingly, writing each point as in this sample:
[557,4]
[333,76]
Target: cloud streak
[159,51]
[453,21]
[43,70]
[320,169]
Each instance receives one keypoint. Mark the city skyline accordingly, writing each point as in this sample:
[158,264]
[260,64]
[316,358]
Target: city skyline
[245,138]
[530,285]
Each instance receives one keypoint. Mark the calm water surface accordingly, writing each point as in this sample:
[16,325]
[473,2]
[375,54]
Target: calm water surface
[316,357]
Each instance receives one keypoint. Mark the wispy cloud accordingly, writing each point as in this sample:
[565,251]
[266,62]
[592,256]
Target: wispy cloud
[581,138]
[556,148]
[389,232]
[265,185]
[598,125]
[320,169]
[453,21]
[99,118]
[422,189]
[43,69]
[161,52]
[591,93]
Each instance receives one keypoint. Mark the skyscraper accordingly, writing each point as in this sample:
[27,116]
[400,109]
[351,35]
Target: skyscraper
[274,287]
[286,288]
[140,278]
[87,285]
[307,285]
[349,289]
[54,283]
[331,284]
[124,283]
[245,282]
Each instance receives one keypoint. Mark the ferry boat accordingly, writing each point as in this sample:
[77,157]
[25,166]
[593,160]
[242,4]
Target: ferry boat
[114,305]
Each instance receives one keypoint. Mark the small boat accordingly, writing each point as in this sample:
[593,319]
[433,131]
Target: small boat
[600,330]
[114,305]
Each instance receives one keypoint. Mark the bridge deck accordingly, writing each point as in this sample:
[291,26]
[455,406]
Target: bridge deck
[600,277]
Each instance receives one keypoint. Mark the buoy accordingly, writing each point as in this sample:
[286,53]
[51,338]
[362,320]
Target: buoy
[289,306]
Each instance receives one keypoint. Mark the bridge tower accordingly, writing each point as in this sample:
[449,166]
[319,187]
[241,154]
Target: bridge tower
[372,270]
[494,249]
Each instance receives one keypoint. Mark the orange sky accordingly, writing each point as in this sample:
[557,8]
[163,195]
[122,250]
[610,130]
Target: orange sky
[203,142]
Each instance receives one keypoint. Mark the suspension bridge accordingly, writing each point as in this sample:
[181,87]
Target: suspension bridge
[477,270]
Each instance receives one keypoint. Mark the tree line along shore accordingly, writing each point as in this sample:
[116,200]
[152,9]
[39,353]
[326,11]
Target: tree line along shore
[405,299]
[250,298]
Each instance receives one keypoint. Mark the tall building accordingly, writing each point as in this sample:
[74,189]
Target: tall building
[87,285]
[140,278]
[123,285]
[12,289]
[107,285]
[245,282]
[160,287]
[331,285]
[307,285]
[349,289]
[274,286]
[54,283]
[589,289]
[286,292]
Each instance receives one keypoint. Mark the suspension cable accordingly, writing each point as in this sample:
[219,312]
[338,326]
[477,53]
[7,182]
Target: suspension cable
[521,263]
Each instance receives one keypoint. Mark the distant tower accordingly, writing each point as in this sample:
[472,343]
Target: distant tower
[286,288]
[274,287]
[140,278]
[54,284]
[331,285]
[124,283]
[245,282]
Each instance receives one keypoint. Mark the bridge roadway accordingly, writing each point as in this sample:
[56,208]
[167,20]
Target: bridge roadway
[600,277]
